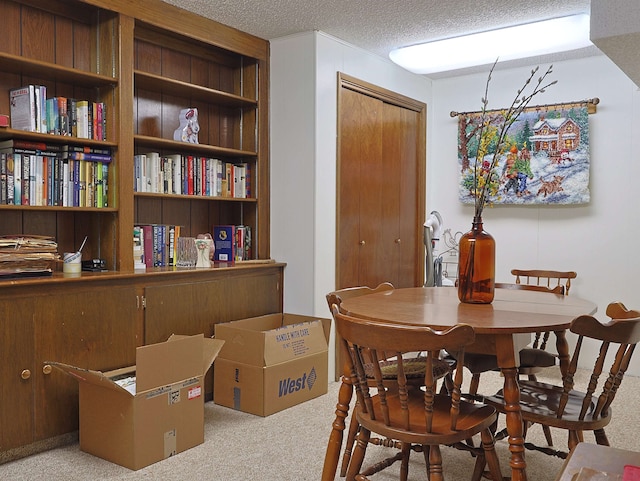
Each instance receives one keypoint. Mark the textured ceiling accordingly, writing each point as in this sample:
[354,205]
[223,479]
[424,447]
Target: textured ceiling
[381,25]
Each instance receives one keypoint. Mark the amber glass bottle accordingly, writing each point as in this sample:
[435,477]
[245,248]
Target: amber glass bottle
[477,265]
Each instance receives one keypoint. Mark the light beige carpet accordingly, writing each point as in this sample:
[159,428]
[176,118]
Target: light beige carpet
[290,445]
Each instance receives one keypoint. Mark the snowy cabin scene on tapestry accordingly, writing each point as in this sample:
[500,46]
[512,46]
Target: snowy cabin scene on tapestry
[545,159]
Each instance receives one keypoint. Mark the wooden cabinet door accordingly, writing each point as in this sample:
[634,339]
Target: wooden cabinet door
[380,191]
[195,307]
[94,329]
[17,372]
[185,308]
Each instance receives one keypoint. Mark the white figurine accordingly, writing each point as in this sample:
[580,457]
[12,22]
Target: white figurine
[189,127]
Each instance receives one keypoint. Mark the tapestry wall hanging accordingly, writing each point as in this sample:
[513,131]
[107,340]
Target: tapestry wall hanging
[545,160]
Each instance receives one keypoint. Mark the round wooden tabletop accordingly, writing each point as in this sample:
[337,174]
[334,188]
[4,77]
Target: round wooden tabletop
[512,311]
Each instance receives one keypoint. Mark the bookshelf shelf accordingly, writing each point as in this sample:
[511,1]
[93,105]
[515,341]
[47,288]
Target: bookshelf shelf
[148,81]
[167,145]
[8,133]
[54,208]
[207,198]
[57,73]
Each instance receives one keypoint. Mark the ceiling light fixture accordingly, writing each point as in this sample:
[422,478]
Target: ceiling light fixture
[520,41]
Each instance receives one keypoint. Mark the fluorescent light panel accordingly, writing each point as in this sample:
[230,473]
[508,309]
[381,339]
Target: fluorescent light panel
[521,41]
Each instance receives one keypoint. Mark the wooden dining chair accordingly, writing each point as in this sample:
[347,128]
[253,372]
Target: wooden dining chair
[546,278]
[532,359]
[414,365]
[419,419]
[537,357]
[579,408]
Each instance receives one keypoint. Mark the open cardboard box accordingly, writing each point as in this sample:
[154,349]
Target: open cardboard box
[160,416]
[272,362]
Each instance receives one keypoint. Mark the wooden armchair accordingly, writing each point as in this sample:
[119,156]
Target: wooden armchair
[532,359]
[538,357]
[418,419]
[568,407]
[414,365]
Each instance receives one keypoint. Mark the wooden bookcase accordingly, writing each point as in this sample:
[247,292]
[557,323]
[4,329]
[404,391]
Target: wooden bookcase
[146,60]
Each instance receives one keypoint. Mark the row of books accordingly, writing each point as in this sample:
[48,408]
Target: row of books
[155,245]
[191,175]
[159,245]
[37,174]
[31,110]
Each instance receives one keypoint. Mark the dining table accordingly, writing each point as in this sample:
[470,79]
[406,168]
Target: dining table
[499,327]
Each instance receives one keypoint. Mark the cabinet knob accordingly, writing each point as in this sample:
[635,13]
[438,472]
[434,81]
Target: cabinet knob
[398,241]
[362,242]
[46,369]
[26,374]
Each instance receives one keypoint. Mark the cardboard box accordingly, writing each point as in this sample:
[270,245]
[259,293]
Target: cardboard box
[272,362]
[162,414]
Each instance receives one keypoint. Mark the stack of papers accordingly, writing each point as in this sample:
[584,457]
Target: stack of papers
[21,253]
[128,383]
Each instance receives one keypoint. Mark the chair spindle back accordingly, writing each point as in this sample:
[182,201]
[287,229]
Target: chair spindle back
[362,338]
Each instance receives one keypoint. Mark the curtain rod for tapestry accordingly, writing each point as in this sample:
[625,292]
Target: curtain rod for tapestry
[590,104]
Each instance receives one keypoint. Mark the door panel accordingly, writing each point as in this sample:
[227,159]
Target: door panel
[406,138]
[17,375]
[356,125]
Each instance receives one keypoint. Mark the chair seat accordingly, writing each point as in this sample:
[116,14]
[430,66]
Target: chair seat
[479,363]
[413,368]
[530,357]
[472,419]
[539,401]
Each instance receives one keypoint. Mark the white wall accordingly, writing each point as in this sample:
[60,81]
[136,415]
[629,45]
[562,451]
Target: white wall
[293,179]
[303,155]
[596,240]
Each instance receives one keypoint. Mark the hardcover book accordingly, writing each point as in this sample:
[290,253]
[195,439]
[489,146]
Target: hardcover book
[82,119]
[23,108]
[138,248]
[224,237]
[3,178]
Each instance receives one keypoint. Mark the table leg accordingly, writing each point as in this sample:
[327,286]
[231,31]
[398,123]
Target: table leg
[335,439]
[506,361]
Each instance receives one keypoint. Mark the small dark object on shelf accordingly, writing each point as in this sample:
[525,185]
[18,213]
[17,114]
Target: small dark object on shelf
[94,265]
